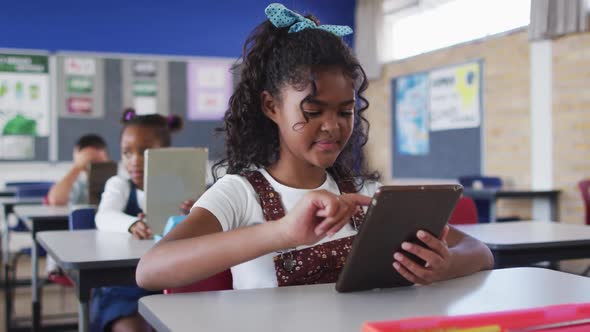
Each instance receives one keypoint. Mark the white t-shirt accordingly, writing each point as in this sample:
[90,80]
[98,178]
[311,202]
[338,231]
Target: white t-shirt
[79,192]
[234,202]
[110,215]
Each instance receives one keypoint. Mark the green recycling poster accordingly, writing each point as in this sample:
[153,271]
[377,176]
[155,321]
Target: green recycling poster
[24,95]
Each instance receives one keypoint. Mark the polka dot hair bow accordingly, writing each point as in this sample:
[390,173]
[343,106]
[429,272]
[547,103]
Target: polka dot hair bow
[281,17]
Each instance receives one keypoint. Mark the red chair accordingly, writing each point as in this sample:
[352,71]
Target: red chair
[465,212]
[60,279]
[584,186]
[220,281]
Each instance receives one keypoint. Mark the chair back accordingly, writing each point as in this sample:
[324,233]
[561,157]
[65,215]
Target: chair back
[485,181]
[465,212]
[32,190]
[584,186]
[82,219]
[483,206]
[28,190]
[14,184]
[220,281]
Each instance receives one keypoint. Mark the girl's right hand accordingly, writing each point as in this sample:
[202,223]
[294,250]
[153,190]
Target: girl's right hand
[140,229]
[319,214]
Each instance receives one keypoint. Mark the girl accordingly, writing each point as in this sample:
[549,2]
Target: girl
[120,210]
[288,208]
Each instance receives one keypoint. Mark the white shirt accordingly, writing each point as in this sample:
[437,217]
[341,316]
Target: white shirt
[110,215]
[233,201]
[79,192]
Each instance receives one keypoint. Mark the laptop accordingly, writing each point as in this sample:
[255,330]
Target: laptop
[171,176]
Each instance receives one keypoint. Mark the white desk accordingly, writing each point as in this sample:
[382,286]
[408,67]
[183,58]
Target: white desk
[528,242]
[13,200]
[40,218]
[321,308]
[545,202]
[94,259]
[8,204]
[28,212]
[8,192]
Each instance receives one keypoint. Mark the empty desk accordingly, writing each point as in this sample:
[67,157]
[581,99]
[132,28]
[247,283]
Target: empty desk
[550,197]
[40,218]
[529,242]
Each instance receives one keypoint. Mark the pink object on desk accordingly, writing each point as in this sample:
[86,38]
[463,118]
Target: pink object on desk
[513,320]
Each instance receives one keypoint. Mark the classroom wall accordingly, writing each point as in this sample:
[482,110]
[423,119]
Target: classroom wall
[507,118]
[201,28]
[192,28]
[571,121]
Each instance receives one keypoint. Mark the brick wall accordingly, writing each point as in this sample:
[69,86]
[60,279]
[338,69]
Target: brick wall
[571,121]
[506,72]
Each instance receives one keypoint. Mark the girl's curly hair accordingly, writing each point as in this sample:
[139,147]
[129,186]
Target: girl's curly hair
[271,58]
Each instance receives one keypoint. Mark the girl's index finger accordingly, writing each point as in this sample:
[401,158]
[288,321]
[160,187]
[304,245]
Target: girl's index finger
[321,213]
[358,199]
[327,204]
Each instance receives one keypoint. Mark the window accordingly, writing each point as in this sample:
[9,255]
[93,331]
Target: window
[417,30]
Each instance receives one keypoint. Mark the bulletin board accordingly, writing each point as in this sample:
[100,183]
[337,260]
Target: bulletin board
[437,121]
[161,85]
[25,105]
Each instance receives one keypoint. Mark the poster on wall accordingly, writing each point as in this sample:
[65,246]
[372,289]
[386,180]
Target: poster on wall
[80,86]
[210,85]
[145,87]
[24,95]
[455,97]
[411,98]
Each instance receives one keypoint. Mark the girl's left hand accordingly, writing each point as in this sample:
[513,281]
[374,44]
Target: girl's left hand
[437,256]
[185,207]
[140,229]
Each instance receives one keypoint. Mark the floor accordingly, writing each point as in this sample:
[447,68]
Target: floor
[59,304]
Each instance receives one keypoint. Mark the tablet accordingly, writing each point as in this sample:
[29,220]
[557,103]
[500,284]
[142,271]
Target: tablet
[98,174]
[171,176]
[395,215]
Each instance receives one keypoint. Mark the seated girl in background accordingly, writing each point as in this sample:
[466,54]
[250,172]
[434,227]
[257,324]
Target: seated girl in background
[120,210]
[289,207]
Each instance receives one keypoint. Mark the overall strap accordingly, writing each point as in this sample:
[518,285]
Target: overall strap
[132,208]
[272,208]
[348,187]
